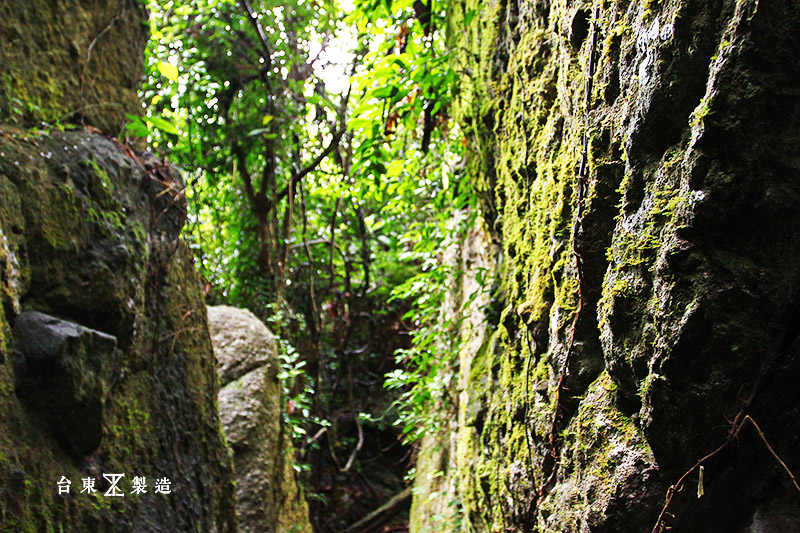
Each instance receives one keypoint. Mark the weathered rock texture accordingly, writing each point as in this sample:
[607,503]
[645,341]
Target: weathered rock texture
[70,60]
[593,393]
[106,364]
[268,497]
[124,380]
[434,507]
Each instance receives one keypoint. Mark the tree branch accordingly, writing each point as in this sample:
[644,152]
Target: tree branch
[260,31]
[246,178]
[311,166]
[382,514]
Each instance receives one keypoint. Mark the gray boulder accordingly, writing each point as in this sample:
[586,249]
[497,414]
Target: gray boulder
[62,373]
[268,499]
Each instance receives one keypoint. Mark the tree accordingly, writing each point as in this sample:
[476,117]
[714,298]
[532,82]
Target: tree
[310,207]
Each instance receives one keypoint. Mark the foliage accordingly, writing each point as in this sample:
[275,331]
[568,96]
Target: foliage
[324,211]
[407,85]
[228,81]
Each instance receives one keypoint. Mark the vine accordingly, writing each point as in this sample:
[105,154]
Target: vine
[582,178]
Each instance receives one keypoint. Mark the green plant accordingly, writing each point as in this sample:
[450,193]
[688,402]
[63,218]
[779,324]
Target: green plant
[320,206]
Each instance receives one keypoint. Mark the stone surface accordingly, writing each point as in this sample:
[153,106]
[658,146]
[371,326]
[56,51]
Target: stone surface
[63,375]
[88,237]
[268,498]
[436,487]
[71,60]
[590,397]
[242,343]
[106,364]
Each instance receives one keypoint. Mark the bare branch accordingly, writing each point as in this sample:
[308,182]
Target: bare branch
[382,514]
[337,136]
[260,31]
[772,451]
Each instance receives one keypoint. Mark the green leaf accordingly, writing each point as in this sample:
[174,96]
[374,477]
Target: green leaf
[262,131]
[163,125]
[137,126]
[395,168]
[385,91]
[358,123]
[137,129]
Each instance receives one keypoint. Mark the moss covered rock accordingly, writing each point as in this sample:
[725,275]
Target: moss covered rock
[71,60]
[268,496]
[604,384]
[124,380]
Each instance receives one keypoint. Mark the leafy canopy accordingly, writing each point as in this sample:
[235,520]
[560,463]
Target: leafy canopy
[314,202]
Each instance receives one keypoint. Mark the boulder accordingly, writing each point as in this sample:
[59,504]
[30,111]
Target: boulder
[637,163]
[106,364]
[63,375]
[268,498]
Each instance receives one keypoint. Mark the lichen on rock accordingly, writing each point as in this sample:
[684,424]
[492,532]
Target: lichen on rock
[91,257]
[67,61]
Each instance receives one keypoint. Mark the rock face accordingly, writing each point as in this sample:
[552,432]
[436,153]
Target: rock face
[64,374]
[64,61]
[436,487]
[124,380]
[597,388]
[268,498]
[106,365]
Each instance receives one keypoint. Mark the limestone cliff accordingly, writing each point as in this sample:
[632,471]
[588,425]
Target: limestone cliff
[646,306]
[106,364]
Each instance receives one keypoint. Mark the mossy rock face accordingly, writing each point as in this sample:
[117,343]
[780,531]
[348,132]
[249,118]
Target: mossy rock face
[91,236]
[71,60]
[685,312]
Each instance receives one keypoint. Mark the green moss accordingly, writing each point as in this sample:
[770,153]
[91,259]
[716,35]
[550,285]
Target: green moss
[531,174]
[127,431]
[601,449]
[700,113]
[293,513]
[79,253]
[60,225]
[57,77]
[101,187]
[102,206]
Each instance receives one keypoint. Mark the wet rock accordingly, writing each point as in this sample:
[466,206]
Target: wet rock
[89,234]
